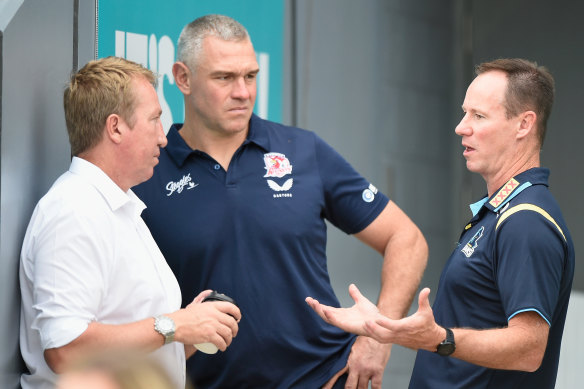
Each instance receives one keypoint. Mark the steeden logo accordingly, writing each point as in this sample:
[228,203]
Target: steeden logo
[178,186]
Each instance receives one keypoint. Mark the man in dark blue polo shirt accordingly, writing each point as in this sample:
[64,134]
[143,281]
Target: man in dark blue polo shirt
[499,313]
[238,204]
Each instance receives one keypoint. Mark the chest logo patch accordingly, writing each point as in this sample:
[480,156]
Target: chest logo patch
[283,188]
[472,244]
[277,165]
[177,186]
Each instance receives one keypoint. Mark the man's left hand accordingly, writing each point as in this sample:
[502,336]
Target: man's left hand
[367,362]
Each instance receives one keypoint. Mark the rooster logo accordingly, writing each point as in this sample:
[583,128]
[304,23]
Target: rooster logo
[277,165]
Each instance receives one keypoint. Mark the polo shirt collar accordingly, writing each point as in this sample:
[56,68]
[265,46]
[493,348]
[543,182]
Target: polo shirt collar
[534,176]
[111,192]
[179,150]
[258,132]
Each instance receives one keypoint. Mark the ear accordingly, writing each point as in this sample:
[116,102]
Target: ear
[182,77]
[527,124]
[112,128]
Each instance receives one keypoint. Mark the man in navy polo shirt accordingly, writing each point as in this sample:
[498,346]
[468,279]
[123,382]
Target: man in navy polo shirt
[499,313]
[238,204]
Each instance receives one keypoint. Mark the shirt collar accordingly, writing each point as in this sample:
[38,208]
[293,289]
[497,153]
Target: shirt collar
[111,192]
[534,176]
[179,150]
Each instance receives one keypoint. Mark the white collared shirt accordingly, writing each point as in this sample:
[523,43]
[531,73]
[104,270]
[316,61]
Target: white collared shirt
[88,256]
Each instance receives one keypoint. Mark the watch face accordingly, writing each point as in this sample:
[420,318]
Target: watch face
[445,349]
[165,324]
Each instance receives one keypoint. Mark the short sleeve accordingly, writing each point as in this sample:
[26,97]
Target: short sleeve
[351,202]
[530,258]
[68,277]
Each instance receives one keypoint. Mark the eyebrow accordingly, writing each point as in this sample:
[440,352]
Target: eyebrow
[232,73]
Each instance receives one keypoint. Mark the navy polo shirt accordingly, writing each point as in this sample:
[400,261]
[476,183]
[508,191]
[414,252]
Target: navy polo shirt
[515,255]
[257,233]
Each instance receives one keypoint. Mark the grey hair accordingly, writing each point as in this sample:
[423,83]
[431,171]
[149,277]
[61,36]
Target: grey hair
[190,41]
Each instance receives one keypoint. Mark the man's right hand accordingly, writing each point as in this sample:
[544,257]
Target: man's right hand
[213,322]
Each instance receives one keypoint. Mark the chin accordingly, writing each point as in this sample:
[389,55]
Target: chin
[237,129]
[470,167]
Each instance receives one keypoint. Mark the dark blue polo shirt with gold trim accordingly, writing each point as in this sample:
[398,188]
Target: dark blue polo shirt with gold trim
[515,255]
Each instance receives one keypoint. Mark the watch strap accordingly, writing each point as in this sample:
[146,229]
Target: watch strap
[448,345]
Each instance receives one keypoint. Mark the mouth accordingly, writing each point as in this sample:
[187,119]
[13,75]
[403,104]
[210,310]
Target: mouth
[242,109]
[467,150]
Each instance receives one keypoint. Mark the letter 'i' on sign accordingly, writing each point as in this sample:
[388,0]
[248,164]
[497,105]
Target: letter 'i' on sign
[263,85]
[157,56]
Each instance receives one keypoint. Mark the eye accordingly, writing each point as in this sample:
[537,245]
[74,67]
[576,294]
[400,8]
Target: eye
[251,77]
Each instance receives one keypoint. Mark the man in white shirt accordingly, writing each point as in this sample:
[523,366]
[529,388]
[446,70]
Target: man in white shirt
[92,278]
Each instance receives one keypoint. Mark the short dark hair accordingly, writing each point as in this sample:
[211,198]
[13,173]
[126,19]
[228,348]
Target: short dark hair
[530,87]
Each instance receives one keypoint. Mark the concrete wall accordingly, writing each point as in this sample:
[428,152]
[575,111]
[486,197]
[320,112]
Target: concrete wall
[374,79]
[39,47]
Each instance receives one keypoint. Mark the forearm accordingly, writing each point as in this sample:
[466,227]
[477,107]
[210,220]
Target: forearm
[510,348]
[404,262]
[405,253]
[100,337]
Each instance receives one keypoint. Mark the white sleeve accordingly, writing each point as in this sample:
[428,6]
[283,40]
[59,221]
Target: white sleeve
[68,252]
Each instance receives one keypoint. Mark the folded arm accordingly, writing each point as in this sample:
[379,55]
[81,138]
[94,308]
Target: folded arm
[197,323]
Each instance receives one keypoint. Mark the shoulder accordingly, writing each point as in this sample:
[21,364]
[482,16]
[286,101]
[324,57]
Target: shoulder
[534,210]
[72,198]
[279,131]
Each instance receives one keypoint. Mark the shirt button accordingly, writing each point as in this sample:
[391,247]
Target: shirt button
[217,167]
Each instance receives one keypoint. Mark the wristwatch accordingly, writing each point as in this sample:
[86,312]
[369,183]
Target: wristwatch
[447,346]
[164,325]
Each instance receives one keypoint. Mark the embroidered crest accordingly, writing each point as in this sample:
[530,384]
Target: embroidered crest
[505,191]
[277,165]
[472,244]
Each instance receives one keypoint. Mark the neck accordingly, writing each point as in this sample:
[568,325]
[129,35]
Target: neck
[106,163]
[219,146]
[494,183]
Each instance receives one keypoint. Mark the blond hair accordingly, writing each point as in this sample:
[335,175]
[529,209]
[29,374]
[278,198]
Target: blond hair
[99,89]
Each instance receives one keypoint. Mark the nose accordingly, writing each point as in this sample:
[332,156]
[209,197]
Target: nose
[463,128]
[162,141]
[241,89]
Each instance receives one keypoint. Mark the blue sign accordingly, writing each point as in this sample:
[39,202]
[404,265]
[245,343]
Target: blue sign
[147,31]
